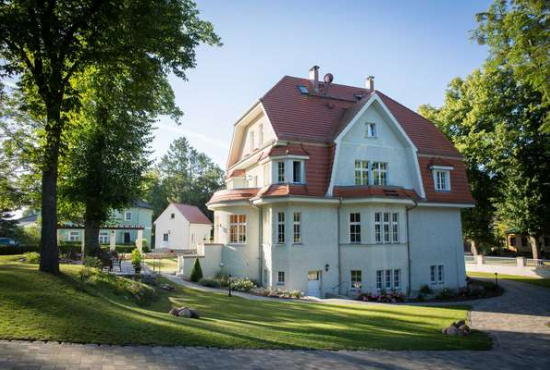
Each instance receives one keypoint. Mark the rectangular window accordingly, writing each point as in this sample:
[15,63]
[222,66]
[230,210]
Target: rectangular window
[297,172]
[388,284]
[440,275]
[128,216]
[355,228]
[396,279]
[432,274]
[370,130]
[237,229]
[386,227]
[513,241]
[172,216]
[379,279]
[280,278]
[74,236]
[361,172]
[379,173]
[297,227]
[377,227]
[442,181]
[356,279]
[165,237]
[281,172]
[103,237]
[280,227]
[395,227]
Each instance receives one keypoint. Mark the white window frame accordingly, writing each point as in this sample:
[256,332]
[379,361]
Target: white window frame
[103,237]
[362,175]
[355,228]
[370,130]
[356,276]
[297,227]
[388,280]
[380,173]
[386,228]
[126,218]
[237,229]
[395,227]
[74,236]
[281,278]
[379,279]
[378,234]
[165,237]
[280,227]
[301,172]
[281,178]
[433,274]
[442,180]
[397,279]
[440,274]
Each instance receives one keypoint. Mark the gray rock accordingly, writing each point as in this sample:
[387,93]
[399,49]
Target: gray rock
[185,312]
[458,324]
[174,311]
[451,330]
[167,287]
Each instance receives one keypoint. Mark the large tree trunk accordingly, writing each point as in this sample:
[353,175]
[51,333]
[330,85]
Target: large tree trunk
[534,246]
[49,253]
[91,237]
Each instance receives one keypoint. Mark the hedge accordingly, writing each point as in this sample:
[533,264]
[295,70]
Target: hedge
[8,251]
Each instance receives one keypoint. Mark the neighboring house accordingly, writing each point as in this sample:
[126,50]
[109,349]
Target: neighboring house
[521,244]
[334,188]
[140,215]
[181,226]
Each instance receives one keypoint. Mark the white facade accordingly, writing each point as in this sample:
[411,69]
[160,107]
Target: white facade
[174,231]
[330,245]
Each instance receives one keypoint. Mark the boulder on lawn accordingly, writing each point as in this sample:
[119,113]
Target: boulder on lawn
[464,329]
[186,312]
[167,287]
[451,330]
[457,328]
[174,311]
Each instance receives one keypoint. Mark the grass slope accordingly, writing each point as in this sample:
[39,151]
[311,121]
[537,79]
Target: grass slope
[38,306]
[545,283]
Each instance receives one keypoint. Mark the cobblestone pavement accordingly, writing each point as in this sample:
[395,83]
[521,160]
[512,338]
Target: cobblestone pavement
[517,321]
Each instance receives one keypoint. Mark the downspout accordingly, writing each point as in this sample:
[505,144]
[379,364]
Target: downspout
[409,248]
[339,245]
[260,245]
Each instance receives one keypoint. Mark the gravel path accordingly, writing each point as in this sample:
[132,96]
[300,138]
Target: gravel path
[517,321]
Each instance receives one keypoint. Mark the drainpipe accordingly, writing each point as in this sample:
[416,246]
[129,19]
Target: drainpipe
[260,244]
[339,245]
[409,247]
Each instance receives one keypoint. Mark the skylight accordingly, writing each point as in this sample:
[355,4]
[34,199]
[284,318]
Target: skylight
[303,89]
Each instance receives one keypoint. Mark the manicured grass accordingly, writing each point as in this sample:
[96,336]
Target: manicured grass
[165,264]
[38,306]
[523,279]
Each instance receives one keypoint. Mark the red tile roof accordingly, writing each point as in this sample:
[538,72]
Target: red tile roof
[233,195]
[374,191]
[296,116]
[460,191]
[192,214]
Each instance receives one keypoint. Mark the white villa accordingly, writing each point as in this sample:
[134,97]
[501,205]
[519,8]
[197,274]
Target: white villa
[334,188]
[181,226]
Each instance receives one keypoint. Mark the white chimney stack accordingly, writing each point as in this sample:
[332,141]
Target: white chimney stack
[370,83]
[314,78]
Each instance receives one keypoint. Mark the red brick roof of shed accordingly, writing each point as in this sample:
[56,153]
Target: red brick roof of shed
[192,214]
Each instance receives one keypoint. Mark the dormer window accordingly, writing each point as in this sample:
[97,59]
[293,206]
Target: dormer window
[442,180]
[281,172]
[370,130]
[442,177]
[297,169]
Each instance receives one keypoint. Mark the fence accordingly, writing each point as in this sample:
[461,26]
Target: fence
[506,265]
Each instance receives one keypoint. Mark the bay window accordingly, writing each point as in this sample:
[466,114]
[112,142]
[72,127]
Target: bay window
[237,229]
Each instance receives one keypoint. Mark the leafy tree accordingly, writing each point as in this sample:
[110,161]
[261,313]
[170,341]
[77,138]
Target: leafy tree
[196,272]
[46,44]
[518,35]
[188,176]
[108,151]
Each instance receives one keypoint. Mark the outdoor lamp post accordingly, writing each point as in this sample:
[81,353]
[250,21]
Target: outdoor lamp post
[496,279]
[229,284]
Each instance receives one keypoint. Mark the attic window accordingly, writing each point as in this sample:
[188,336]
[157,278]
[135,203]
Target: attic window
[303,89]
[370,129]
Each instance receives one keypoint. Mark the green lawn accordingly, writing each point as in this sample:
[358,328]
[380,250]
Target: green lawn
[523,279]
[38,306]
[165,264]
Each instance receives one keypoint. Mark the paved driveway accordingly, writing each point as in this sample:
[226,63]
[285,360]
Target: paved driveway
[517,322]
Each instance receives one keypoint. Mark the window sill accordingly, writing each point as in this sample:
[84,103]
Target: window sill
[442,191]
[280,283]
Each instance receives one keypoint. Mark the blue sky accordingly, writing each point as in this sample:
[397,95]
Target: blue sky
[413,48]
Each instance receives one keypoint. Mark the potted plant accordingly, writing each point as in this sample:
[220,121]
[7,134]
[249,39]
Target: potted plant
[136,260]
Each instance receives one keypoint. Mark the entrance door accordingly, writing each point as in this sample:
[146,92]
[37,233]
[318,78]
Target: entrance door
[314,284]
[127,238]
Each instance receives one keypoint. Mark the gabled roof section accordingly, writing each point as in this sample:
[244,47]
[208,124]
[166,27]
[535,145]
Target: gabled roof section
[319,118]
[192,214]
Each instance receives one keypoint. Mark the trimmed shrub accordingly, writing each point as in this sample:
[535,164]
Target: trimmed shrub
[445,293]
[242,285]
[210,282]
[32,257]
[425,290]
[196,273]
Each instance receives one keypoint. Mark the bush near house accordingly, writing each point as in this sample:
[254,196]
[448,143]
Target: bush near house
[10,251]
[196,273]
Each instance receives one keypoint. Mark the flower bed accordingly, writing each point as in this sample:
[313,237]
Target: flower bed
[391,297]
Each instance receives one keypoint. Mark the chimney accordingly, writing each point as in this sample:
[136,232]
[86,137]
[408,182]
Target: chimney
[314,79]
[370,83]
